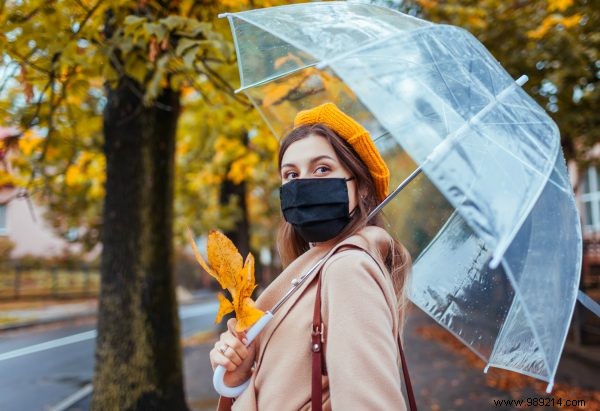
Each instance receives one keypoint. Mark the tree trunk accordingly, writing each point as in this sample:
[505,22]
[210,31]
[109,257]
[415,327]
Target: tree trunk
[240,235]
[138,351]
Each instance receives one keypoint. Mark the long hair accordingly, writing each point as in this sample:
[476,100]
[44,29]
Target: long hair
[291,245]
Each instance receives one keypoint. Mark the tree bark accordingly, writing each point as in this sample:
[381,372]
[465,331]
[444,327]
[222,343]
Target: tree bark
[138,351]
[240,235]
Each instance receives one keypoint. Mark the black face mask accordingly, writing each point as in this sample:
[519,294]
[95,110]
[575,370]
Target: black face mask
[316,207]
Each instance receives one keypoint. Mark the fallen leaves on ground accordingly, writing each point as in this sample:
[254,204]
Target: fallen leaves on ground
[25,304]
[8,320]
[511,381]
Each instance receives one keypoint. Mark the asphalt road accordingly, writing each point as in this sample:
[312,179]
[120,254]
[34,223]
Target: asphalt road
[40,367]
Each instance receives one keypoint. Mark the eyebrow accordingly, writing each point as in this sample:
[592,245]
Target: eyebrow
[312,161]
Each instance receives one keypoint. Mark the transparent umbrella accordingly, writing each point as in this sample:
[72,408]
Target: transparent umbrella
[492,223]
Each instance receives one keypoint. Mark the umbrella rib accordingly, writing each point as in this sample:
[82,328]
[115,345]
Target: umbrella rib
[372,43]
[536,171]
[276,77]
[321,64]
[255,104]
[527,315]
[495,97]
[437,67]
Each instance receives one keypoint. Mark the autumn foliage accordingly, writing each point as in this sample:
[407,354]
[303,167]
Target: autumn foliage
[225,265]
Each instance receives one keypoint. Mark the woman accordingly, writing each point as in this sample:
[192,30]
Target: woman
[332,177]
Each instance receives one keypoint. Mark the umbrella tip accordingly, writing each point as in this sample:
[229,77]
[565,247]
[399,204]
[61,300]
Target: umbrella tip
[549,387]
[522,80]
[485,370]
[222,15]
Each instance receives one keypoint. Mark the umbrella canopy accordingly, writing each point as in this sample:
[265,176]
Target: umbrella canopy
[500,269]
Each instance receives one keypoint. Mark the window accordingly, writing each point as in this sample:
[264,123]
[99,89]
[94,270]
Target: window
[591,200]
[3,225]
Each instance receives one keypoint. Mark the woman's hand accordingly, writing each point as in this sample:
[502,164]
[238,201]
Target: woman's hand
[231,352]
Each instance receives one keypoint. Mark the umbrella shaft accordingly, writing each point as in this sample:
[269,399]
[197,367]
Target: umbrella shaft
[297,282]
[394,193]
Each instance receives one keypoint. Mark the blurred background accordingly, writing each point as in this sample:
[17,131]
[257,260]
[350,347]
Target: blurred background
[120,127]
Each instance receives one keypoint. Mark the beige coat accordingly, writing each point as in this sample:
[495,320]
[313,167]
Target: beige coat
[361,327]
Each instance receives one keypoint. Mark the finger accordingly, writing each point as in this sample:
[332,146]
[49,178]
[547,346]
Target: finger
[236,349]
[229,340]
[222,359]
[231,325]
[251,348]
[230,353]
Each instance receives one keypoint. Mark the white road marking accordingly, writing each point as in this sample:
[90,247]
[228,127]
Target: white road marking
[73,398]
[184,313]
[71,339]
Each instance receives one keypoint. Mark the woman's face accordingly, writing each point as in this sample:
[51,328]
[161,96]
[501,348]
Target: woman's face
[314,157]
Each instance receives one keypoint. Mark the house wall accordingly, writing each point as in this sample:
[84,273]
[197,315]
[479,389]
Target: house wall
[32,235]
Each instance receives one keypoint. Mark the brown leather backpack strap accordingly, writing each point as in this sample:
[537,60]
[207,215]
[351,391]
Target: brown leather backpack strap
[317,352]
[409,391]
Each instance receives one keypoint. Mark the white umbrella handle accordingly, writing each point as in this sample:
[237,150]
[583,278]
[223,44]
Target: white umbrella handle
[219,375]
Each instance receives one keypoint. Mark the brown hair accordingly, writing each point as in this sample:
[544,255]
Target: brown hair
[290,245]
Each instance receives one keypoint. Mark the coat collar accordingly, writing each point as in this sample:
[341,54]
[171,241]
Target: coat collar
[375,240]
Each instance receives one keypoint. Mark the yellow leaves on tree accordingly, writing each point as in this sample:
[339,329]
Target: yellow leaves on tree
[242,168]
[551,22]
[225,265]
[6,179]
[234,4]
[428,4]
[88,170]
[559,5]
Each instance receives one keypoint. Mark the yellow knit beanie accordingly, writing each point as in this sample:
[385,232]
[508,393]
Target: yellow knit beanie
[356,135]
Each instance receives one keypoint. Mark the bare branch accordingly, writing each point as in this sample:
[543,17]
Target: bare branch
[87,18]
[221,83]
[25,60]
[8,77]
[83,6]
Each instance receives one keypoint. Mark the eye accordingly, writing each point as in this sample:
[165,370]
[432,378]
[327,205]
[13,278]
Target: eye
[289,175]
[322,170]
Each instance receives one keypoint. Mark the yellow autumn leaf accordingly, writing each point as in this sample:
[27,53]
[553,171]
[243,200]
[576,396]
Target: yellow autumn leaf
[245,310]
[200,260]
[225,307]
[224,258]
[251,314]
[225,264]
[224,261]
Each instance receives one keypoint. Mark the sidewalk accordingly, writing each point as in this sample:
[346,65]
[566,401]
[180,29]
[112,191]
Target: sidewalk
[45,313]
[444,373]
[448,376]
[54,311]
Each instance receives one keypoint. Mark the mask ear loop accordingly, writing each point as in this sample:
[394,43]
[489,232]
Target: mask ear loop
[355,208]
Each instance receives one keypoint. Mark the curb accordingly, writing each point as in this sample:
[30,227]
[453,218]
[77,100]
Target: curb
[45,321]
[87,314]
